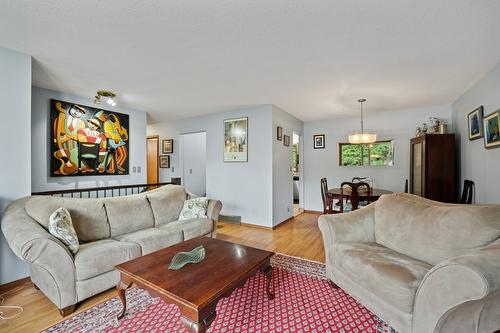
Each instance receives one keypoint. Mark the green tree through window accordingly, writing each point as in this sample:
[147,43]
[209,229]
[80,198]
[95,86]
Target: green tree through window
[377,153]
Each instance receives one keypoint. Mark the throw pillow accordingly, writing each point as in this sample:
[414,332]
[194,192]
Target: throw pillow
[61,227]
[195,208]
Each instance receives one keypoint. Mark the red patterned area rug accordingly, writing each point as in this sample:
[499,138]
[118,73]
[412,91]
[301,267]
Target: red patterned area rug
[304,302]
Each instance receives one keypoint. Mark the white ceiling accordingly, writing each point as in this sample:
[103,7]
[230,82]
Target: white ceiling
[313,59]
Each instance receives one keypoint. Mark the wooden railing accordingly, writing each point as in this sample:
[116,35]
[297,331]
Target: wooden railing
[104,192]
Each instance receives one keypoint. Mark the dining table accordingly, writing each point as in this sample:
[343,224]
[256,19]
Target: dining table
[375,194]
[345,193]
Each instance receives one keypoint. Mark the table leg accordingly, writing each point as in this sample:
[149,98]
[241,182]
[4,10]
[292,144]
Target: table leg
[269,275]
[198,327]
[121,288]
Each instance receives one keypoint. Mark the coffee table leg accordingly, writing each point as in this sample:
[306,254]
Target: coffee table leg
[269,275]
[121,288]
[200,327]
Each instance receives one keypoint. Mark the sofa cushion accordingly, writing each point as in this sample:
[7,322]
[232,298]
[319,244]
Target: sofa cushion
[433,232]
[128,214]
[166,203]
[88,215]
[153,239]
[101,256]
[192,228]
[194,208]
[389,275]
[61,227]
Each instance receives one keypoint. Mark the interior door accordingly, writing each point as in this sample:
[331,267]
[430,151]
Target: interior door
[152,146]
[194,161]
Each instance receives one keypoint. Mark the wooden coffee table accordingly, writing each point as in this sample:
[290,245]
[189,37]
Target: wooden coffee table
[195,288]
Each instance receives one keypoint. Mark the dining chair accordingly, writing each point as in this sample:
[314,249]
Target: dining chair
[329,207]
[355,196]
[324,196]
[367,180]
[468,192]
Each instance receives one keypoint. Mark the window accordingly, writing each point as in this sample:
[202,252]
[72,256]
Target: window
[377,153]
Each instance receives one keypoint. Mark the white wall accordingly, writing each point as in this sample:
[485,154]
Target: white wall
[477,163]
[245,189]
[282,162]
[397,125]
[15,182]
[40,143]
[193,153]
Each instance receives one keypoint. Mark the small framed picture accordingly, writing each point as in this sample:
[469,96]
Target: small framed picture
[165,161]
[475,124]
[279,133]
[319,141]
[286,140]
[167,146]
[492,130]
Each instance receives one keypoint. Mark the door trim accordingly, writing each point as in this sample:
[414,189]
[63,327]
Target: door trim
[157,137]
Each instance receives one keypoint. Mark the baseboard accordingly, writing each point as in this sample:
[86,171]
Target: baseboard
[14,284]
[230,219]
[313,211]
[256,226]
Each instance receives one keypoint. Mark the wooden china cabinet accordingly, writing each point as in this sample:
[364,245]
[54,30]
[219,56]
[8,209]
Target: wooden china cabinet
[433,167]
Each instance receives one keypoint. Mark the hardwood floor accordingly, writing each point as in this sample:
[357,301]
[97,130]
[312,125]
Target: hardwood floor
[298,237]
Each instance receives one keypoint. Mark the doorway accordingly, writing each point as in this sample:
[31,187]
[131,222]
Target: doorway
[152,148]
[297,174]
[193,155]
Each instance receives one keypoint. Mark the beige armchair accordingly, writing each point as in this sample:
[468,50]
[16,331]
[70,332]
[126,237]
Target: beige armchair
[419,265]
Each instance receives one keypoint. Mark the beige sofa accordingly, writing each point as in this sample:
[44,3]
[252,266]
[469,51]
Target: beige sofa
[110,231]
[420,265]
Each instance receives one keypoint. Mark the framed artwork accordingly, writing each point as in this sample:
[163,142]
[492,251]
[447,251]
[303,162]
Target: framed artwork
[491,130]
[167,146]
[87,141]
[475,124]
[236,140]
[286,140]
[279,133]
[164,161]
[319,141]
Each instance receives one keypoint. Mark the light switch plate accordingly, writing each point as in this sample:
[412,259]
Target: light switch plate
[134,169]
[138,169]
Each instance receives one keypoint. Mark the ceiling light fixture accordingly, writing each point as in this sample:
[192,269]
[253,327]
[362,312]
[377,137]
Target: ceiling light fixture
[362,137]
[107,95]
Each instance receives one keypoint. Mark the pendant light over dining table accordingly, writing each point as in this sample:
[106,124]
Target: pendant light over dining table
[362,137]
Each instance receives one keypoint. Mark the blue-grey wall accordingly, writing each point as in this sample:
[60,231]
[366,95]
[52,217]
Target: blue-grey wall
[15,132]
[476,162]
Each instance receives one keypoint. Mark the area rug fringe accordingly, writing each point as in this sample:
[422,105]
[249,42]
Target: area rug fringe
[297,281]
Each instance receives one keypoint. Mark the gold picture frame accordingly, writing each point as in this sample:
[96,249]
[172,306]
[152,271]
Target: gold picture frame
[492,130]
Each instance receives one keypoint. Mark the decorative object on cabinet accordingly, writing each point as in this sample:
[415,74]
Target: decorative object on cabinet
[165,161]
[279,133]
[492,130]
[437,126]
[235,140]
[167,146]
[475,124]
[286,140]
[319,141]
[433,167]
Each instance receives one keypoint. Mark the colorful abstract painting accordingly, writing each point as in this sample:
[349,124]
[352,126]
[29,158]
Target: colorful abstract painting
[87,141]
